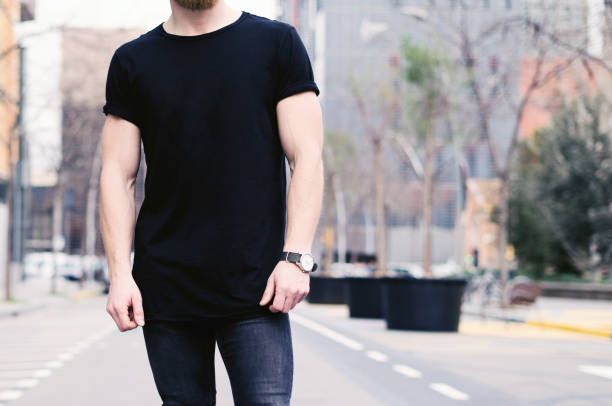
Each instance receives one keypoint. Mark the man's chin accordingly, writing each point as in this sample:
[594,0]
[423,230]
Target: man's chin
[196,4]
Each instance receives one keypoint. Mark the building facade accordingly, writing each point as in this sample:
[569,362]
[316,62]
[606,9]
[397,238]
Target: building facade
[362,38]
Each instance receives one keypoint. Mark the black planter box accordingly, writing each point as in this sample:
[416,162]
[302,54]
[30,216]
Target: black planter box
[363,296]
[324,289]
[431,304]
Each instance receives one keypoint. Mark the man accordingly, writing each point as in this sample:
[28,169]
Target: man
[218,97]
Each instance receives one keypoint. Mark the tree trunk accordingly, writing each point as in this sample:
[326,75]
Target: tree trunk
[503,237]
[459,229]
[380,211]
[340,218]
[327,242]
[427,198]
[9,243]
[58,200]
[91,229]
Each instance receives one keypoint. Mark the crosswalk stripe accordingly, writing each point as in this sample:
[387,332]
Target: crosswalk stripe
[11,394]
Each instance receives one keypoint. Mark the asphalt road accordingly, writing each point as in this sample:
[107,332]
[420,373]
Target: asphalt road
[74,355]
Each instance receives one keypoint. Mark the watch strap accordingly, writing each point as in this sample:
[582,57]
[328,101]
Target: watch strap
[290,256]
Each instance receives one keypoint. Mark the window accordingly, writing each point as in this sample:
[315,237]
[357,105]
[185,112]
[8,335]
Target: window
[493,64]
[508,4]
[27,10]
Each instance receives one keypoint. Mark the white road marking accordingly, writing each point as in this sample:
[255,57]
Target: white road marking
[66,356]
[26,383]
[442,388]
[41,373]
[327,332]
[10,394]
[75,351]
[377,356]
[82,345]
[29,372]
[605,371]
[449,391]
[407,371]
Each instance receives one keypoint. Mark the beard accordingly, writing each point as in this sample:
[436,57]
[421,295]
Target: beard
[196,4]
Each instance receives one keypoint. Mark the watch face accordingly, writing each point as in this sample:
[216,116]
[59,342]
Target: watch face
[307,261]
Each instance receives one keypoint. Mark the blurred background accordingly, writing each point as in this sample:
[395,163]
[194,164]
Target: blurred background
[465,241]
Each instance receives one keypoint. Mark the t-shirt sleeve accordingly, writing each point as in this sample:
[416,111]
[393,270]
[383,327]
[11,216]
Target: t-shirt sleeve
[119,99]
[295,69]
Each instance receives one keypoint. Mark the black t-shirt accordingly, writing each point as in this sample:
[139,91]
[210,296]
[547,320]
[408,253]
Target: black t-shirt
[212,224]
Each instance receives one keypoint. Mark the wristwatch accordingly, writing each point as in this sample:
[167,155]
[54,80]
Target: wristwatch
[305,261]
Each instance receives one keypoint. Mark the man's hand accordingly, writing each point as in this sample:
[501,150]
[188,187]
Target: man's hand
[125,303]
[289,285]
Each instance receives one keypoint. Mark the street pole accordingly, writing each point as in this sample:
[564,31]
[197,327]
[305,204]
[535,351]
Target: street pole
[14,196]
[19,181]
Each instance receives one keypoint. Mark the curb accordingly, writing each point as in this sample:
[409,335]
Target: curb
[17,312]
[546,324]
[576,329]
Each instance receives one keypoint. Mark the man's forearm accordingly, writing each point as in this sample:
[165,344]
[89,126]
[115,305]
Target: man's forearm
[117,217]
[304,201]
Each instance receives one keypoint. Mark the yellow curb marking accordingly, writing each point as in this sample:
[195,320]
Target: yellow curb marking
[86,294]
[601,333]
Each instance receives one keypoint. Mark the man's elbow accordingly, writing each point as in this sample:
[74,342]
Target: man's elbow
[307,160]
[113,176]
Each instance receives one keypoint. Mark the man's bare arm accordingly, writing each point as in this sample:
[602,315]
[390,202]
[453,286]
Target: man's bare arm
[120,162]
[301,133]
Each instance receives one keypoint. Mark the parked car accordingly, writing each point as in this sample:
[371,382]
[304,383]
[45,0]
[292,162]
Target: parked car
[409,269]
[340,269]
[70,267]
[448,269]
[38,265]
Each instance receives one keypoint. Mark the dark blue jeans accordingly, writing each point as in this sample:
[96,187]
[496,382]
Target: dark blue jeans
[257,353]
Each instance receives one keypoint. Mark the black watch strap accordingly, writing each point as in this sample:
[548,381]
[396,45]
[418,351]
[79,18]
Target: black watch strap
[290,256]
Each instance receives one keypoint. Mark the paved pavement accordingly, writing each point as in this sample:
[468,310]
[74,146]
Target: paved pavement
[74,355]
[71,353]
[487,362]
[35,293]
[593,317]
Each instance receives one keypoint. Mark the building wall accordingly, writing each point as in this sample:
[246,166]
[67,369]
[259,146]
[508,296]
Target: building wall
[9,97]
[9,82]
[581,24]
[66,64]
[42,115]
[362,38]
[86,54]
[579,79]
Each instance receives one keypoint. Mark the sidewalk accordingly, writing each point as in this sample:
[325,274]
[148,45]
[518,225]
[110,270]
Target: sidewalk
[593,317]
[34,293]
